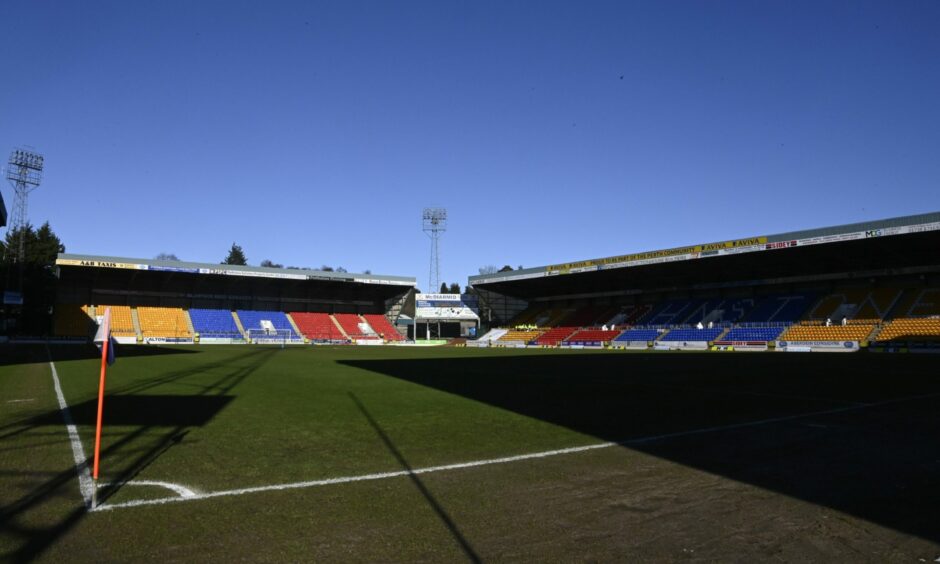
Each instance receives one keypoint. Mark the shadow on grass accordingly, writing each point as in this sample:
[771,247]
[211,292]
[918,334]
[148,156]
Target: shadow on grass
[439,510]
[870,450]
[160,422]
[12,354]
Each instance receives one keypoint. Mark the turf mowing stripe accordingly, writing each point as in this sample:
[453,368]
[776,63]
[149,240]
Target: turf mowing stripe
[85,485]
[503,460]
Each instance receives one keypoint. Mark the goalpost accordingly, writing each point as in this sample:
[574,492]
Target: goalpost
[272,336]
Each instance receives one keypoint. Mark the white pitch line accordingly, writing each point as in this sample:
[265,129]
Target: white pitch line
[85,484]
[502,460]
[180,490]
[349,479]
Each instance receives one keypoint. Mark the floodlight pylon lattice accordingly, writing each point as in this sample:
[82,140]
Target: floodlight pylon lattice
[434,223]
[24,171]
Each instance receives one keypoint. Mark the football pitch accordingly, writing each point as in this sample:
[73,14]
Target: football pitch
[391,453]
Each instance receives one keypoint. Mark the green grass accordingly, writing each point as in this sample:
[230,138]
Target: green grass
[223,418]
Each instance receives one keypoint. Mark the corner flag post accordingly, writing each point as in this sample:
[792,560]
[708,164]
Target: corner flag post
[107,357]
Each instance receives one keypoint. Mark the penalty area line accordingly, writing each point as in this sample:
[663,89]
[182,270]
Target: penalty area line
[505,459]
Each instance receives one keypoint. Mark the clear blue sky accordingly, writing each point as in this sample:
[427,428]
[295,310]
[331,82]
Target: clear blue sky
[315,133]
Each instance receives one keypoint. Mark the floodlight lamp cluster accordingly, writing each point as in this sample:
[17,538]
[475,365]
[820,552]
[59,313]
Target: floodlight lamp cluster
[434,216]
[21,158]
[25,169]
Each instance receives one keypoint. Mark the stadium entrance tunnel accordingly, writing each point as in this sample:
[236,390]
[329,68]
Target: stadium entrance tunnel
[854,433]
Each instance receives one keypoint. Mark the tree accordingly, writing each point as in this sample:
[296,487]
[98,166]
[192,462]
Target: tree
[506,268]
[42,245]
[270,264]
[166,256]
[235,256]
[326,268]
[443,288]
[34,278]
[340,269]
[454,288]
[488,269]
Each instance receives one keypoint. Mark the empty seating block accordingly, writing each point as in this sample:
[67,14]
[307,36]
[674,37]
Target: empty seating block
[317,326]
[554,336]
[670,312]
[693,334]
[780,309]
[589,316]
[214,323]
[122,323]
[638,335]
[632,314]
[251,319]
[72,321]
[870,305]
[918,303]
[350,323]
[908,329]
[721,311]
[593,336]
[515,336]
[168,322]
[753,334]
[383,326]
[823,333]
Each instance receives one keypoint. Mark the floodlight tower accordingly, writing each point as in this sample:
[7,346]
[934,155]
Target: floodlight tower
[434,223]
[24,171]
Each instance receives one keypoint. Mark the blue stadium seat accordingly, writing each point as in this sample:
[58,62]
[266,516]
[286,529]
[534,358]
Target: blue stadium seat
[638,335]
[214,323]
[693,334]
[251,319]
[753,334]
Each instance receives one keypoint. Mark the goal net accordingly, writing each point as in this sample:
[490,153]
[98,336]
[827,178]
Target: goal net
[273,336]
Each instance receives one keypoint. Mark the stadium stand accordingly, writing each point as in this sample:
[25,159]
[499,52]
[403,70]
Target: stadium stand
[911,329]
[353,326]
[753,334]
[71,320]
[858,332]
[122,321]
[785,308]
[383,326]
[214,323]
[251,320]
[693,334]
[638,335]
[593,336]
[555,335]
[317,326]
[163,322]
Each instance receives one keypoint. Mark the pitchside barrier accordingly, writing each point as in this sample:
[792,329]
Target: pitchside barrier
[818,346]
